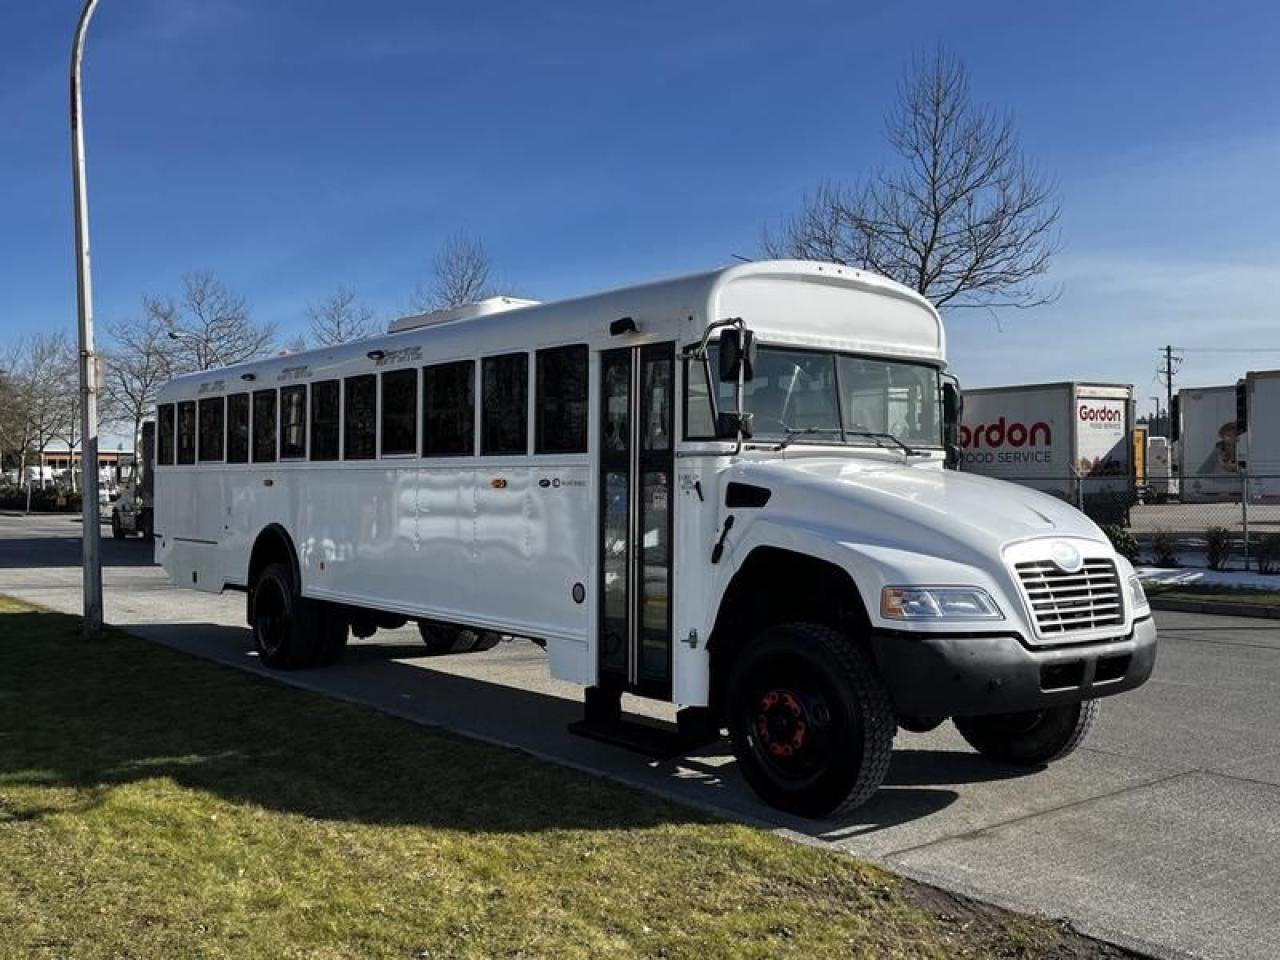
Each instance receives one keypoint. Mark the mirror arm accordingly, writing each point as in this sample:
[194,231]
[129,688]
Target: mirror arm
[700,351]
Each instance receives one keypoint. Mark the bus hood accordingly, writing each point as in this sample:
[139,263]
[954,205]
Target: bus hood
[913,506]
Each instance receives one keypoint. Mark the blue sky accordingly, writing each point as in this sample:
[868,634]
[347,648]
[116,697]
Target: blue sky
[294,145]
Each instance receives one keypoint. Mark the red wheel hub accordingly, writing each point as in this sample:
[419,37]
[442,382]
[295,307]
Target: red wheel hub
[780,723]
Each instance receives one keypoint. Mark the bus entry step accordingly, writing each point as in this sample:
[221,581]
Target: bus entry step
[603,720]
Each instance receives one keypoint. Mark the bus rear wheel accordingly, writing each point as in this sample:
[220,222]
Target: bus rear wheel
[810,722]
[285,624]
[445,638]
[1030,739]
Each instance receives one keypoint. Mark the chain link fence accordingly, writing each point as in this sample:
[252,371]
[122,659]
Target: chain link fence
[1222,522]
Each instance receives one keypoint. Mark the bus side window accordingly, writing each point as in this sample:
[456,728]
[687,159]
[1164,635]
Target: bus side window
[324,420]
[164,434]
[360,429]
[293,422]
[449,409]
[211,426]
[238,428]
[504,409]
[399,412]
[187,431]
[264,426]
[562,400]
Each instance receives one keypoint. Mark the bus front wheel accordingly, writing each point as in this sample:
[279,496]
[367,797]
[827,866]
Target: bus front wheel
[1030,739]
[809,719]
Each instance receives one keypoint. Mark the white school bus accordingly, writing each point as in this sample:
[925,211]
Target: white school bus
[727,491]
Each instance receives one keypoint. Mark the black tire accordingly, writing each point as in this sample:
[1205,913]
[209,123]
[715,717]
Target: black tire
[1030,739]
[117,531]
[331,640]
[442,639]
[809,719]
[286,626]
[487,640]
[920,724]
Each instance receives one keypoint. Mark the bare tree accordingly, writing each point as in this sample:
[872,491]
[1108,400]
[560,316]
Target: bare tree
[139,361]
[209,325]
[12,416]
[66,425]
[460,273]
[340,319]
[967,220]
[42,380]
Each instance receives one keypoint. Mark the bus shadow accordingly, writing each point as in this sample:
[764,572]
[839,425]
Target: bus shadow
[265,745]
[393,676]
[35,552]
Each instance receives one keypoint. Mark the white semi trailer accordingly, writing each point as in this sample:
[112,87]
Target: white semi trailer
[1262,403]
[1209,435]
[725,491]
[1072,440]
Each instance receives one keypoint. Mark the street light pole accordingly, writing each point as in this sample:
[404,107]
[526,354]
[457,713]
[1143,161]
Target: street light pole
[91,529]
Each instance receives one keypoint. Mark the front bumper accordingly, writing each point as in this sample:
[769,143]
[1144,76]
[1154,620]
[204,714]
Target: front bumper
[945,675]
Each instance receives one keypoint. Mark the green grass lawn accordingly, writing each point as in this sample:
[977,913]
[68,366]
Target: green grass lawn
[153,805]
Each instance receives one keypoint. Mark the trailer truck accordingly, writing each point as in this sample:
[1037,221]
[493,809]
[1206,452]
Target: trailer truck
[1209,432]
[1072,440]
[1262,414]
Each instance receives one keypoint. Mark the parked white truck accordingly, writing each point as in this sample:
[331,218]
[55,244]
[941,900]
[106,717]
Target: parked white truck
[725,491]
[1162,477]
[1072,440]
[1262,403]
[1209,436]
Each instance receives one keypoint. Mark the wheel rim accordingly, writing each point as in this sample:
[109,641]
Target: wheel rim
[271,617]
[792,729]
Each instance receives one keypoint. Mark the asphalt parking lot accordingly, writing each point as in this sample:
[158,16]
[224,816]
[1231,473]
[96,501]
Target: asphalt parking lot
[1163,833]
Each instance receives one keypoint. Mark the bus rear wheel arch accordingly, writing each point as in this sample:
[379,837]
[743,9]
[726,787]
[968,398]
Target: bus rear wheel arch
[290,631]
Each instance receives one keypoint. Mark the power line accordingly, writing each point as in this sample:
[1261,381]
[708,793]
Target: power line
[1227,349]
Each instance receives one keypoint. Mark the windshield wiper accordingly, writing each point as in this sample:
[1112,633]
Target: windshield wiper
[877,437]
[794,433]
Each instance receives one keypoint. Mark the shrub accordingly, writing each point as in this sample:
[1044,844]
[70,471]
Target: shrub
[1164,549]
[1217,542]
[42,500]
[1267,552]
[1122,540]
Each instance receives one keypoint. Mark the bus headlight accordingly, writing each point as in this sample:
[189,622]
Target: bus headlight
[1138,597]
[938,603]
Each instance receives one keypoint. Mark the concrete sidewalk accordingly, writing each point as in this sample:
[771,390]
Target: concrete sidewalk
[1163,834]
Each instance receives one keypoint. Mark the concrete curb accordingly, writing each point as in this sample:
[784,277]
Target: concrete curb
[1220,608]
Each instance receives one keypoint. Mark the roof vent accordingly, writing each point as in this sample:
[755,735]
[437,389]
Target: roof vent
[467,311]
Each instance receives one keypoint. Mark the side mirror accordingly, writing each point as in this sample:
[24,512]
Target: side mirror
[737,351]
[729,425]
[952,412]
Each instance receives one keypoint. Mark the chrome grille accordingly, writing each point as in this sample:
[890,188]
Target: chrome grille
[1063,602]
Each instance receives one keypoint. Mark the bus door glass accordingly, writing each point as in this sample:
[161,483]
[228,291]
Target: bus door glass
[636,472]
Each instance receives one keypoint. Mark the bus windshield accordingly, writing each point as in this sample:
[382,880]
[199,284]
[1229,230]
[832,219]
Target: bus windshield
[823,397]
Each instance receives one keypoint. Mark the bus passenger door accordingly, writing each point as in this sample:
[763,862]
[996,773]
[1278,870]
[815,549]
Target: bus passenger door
[637,462]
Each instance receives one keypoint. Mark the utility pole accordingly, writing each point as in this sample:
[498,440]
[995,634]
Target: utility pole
[1167,372]
[91,528]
